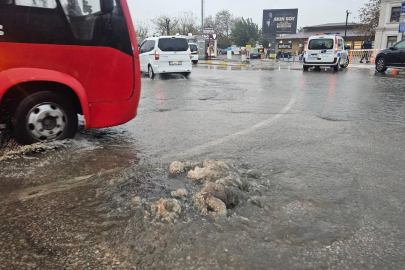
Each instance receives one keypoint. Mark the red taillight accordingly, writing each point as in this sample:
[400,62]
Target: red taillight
[157,55]
[190,55]
[336,45]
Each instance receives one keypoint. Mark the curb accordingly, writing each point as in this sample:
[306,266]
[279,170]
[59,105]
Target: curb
[221,64]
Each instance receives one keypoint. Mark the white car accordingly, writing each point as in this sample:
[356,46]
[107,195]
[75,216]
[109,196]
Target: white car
[165,54]
[326,50]
[194,52]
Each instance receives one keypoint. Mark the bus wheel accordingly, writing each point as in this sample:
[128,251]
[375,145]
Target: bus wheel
[44,116]
[150,72]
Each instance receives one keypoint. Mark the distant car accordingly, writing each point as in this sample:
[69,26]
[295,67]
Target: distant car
[194,52]
[165,54]
[223,52]
[255,55]
[392,57]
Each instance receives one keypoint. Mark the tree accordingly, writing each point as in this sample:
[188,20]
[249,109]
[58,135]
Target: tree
[301,29]
[369,16]
[252,42]
[243,31]
[162,22]
[187,22]
[210,22]
[264,40]
[141,29]
[225,21]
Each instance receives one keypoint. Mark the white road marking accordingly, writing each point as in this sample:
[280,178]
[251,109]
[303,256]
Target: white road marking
[200,148]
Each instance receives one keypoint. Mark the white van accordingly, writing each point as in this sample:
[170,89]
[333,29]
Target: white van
[194,52]
[165,54]
[326,50]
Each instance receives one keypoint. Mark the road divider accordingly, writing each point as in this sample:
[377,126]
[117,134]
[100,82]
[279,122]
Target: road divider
[221,64]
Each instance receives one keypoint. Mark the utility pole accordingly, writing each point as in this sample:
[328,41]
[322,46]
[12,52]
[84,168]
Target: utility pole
[168,26]
[347,18]
[202,18]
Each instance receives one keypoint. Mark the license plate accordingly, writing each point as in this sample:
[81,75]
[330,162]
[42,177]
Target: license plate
[174,63]
[314,56]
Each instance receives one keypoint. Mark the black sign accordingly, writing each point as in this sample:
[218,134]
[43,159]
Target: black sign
[284,46]
[280,21]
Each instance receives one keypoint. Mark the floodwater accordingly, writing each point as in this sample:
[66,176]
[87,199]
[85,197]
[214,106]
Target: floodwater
[315,161]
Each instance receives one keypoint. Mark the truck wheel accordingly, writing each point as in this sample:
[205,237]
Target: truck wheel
[44,116]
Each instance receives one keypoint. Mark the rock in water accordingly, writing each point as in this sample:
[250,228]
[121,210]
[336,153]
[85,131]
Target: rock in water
[176,167]
[180,193]
[216,205]
[167,209]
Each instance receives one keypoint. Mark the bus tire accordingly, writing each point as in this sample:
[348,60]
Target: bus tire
[151,73]
[44,116]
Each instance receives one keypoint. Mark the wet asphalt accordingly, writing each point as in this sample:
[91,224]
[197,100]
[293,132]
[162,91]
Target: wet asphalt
[322,153]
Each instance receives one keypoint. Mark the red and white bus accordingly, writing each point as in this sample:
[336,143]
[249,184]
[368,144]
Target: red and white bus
[61,58]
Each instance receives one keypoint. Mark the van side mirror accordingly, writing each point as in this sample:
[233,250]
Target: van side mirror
[107,6]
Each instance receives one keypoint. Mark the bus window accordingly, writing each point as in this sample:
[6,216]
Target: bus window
[81,17]
[36,3]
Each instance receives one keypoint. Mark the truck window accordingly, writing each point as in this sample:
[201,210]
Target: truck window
[320,44]
[173,44]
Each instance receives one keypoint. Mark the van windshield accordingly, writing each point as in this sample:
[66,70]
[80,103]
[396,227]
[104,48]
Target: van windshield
[320,44]
[173,44]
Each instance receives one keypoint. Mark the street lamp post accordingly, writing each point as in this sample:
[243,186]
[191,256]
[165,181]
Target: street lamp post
[347,18]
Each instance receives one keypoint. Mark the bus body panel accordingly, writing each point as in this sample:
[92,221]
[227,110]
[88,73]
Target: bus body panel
[15,76]
[104,72]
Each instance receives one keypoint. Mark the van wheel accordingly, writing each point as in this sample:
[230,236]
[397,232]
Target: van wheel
[380,65]
[151,74]
[336,67]
[195,62]
[305,68]
[186,74]
[44,116]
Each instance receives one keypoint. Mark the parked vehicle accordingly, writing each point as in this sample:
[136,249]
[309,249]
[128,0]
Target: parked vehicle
[194,52]
[255,54]
[391,57]
[57,63]
[326,50]
[165,54]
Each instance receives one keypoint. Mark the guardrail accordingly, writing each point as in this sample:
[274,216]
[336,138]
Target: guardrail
[355,56]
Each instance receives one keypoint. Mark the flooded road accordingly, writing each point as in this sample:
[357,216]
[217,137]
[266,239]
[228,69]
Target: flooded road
[314,178]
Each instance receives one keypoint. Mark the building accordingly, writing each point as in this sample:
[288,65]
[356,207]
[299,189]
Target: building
[387,31]
[295,43]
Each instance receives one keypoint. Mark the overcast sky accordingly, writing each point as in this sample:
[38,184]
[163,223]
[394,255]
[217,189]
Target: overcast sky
[310,12]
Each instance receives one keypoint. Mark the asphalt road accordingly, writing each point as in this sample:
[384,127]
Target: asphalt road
[320,154]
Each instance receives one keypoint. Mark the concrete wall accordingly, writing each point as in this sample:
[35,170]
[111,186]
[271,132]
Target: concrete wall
[385,27]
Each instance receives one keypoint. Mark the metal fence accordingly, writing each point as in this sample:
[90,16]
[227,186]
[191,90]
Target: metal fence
[355,56]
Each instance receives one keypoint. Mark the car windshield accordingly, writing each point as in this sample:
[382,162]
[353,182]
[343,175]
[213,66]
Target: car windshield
[193,47]
[173,44]
[320,44]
